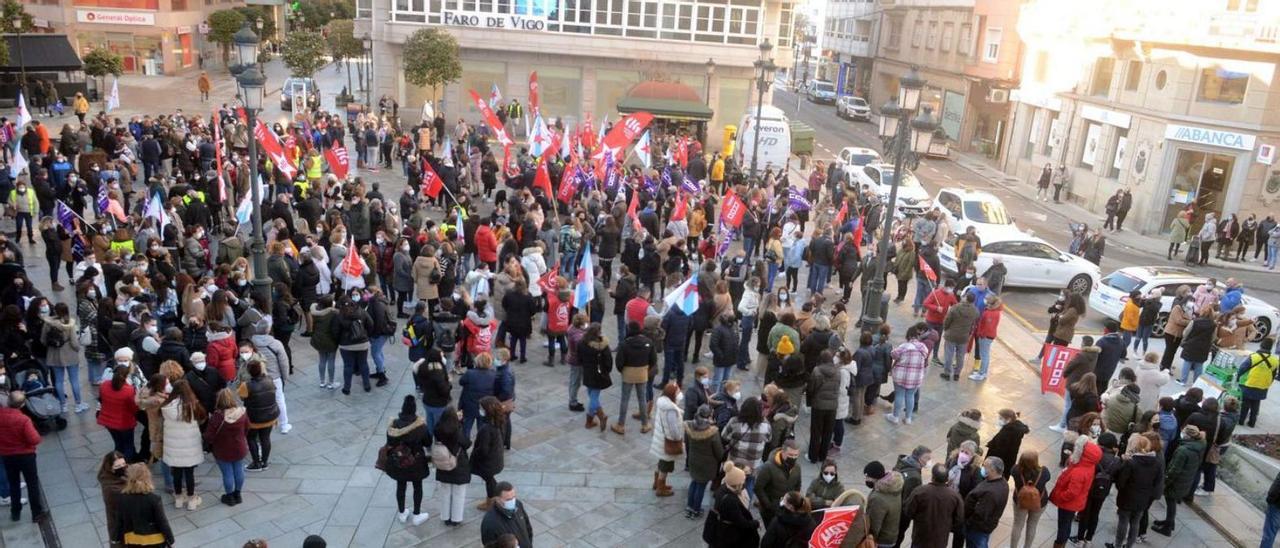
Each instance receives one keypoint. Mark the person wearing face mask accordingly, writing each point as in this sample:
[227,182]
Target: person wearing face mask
[779,475]
[984,505]
[258,395]
[1071,492]
[119,410]
[62,354]
[884,505]
[205,381]
[111,482]
[225,435]
[698,392]
[25,205]
[730,524]
[668,437]
[506,516]
[793,522]
[706,452]
[826,488]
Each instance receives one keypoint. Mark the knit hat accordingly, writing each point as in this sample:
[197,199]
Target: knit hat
[1191,431]
[314,541]
[409,409]
[785,346]
[874,470]
[125,353]
[734,476]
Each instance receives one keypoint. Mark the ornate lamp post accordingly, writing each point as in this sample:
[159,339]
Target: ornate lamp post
[251,83]
[764,68]
[895,117]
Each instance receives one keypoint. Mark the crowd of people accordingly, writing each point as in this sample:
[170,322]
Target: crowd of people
[189,345]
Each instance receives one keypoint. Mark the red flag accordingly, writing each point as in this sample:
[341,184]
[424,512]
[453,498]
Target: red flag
[857,233]
[547,281]
[1052,364]
[339,162]
[431,183]
[623,132]
[927,270]
[274,150]
[682,206]
[586,137]
[217,156]
[351,264]
[490,118]
[631,209]
[834,527]
[682,153]
[733,209]
[840,215]
[553,148]
[507,166]
[567,185]
[542,179]
[533,92]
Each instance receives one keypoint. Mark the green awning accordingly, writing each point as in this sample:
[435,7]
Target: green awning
[673,109]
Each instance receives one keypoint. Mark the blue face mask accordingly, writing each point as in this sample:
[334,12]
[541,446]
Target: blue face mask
[982,473]
[509,505]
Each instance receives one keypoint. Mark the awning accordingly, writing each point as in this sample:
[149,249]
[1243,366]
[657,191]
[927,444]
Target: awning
[671,109]
[41,52]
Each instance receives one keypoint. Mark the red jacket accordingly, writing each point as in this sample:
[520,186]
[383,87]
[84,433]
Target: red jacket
[17,435]
[636,310]
[479,336]
[557,315]
[119,409]
[988,323]
[1072,490]
[937,304]
[220,353]
[486,244]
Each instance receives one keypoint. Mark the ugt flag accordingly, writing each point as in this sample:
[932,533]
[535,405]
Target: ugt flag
[1052,366]
[339,162]
[834,527]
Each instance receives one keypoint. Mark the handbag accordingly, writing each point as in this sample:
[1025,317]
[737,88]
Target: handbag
[672,447]
[1214,455]
[381,463]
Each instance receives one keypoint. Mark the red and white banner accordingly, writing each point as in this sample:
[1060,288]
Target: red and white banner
[542,179]
[632,210]
[533,92]
[274,150]
[835,525]
[490,118]
[733,209]
[431,183]
[339,161]
[1052,366]
[567,183]
[929,274]
[626,130]
[548,281]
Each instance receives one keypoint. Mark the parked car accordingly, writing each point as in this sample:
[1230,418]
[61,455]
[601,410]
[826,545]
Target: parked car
[855,108]
[1031,262]
[821,92]
[1112,292]
[286,93]
[981,210]
[913,199]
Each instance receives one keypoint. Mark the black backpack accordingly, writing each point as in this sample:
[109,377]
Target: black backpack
[356,331]
[54,337]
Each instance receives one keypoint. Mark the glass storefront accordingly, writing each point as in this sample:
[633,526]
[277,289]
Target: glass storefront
[734,95]
[560,92]
[479,76]
[139,54]
[611,87]
[1199,178]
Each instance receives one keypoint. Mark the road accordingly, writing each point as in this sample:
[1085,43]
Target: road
[1027,306]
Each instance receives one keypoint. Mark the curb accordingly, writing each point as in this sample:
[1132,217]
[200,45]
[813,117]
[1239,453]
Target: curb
[1220,528]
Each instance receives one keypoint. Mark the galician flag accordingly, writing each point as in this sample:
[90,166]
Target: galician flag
[24,115]
[155,210]
[644,151]
[684,296]
[113,98]
[244,211]
[18,164]
[539,137]
[586,289]
[495,96]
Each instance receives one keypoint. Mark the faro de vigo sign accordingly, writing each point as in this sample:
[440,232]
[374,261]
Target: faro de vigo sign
[494,21]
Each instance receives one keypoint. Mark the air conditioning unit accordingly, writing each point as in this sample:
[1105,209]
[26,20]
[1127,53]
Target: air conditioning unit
[998,96]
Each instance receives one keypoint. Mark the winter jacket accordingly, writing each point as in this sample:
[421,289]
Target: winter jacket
[220,353]
[225,433]
[821,492]
[884,507]
[1082,363]
[322,338]
[667,421]
[1150,380]
[935,510]
[206,385]
[259,396]
[449,434]
[730,523]
[476,384]
[789,529]
[1066,328]
[988,323]
[848,382]
[824,388]
[1139,482]
[596,361]
[1197,339]
[67,354]
[1111,350]
[965,429]
[959,323]
[119,409]
[140,514]
[773,481]
[1180,472]
[635,357]
[1129,315]
[414,436]
[984,505]
[488,455]
[1071,492]
[183,445]
[499,521]
[724,345]
[1007,442]
[1040,481]
[433,381]
[705,451]
[937,304]
[1122,409]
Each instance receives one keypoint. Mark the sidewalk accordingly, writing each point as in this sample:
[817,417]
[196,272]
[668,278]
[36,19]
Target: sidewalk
[1150,245]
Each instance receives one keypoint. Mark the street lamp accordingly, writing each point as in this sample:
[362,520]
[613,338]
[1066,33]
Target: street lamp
[895,117]
[367,42]
[711,70]
[764,67]
[252,82]
[22,64]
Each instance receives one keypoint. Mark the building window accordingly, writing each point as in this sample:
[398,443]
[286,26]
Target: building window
[931,41]
[1133,75]
[1119,153]
[991,45]
[1162,78]
[1033,132]
[917,33]
[1219,85]
[948,36]
[784,25]
[964,44]
[1100,85]
[1092,140]
[895,33]
[1245,5]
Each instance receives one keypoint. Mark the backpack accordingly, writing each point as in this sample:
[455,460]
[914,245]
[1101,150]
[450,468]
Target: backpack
[443,459]
[1101,480]
[54,337]
[356,331]
[390,316]
[401,457]
[1028,496]
[446,338]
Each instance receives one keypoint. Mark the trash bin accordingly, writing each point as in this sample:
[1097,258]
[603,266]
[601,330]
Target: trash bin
[802,137]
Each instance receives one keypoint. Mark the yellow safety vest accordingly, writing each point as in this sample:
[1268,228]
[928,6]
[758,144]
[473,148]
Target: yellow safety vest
[314,169]
[120,248]
[186,200]
[1263,371]
[302,187]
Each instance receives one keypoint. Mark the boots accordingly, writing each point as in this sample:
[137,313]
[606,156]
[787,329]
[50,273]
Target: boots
[646,428]
[656,482]
[663,490]
[618,429]
[603,418]
[638,416]
[591,421]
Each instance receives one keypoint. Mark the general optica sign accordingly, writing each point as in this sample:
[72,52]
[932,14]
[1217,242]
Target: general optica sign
[106,17]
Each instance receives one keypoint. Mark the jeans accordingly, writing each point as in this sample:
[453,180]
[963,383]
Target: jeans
[984,350]
[518,342]
[773,273]
[718,378]
[1126,337]
[19,468]
[123,441]
[976,539]
[1065,519]
[95,366]
[1210,473]
[355,361]
[1127,528]
[552,342]
[640,400]
[697,489]
[1028,519]
[593,400]
[622,331]
[744,343]
[952,358]
[673,363]
[21,219]
[575,383]
[1143,337]
[327,360]
[1270,526]
[433,416]
[1194,368]
[1272,250]
[819,275]
[375,349]
[232,475]
[923,287]
[59,375]
[904,400]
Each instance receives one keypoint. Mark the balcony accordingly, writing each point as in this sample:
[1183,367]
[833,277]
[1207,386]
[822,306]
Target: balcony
[1203,27]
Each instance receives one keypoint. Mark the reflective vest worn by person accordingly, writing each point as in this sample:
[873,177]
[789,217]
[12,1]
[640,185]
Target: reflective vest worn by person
[1259,372]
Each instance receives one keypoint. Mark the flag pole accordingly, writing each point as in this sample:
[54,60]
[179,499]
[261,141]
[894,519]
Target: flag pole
[83,222]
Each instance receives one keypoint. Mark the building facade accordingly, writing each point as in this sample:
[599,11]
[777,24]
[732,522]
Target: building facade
[151,36]
[1177,105]
[587,54]
[848,37]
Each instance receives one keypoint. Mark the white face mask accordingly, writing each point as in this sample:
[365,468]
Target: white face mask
[828,478]
[1095,430]
[246,355]
[704,381]
[91,295]
[44,310]
[1002,422]
[199,366]
[4,380]
[152,329]
[736,395]
[168,388]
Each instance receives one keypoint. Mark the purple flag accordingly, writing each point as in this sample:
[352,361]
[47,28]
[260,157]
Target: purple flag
[797,201]
[666,178]
[689,185]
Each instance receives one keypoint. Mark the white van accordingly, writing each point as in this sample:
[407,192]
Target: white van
[775,138]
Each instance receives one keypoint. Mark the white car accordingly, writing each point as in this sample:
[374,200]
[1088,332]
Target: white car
[1112,292]
[1031,262]
[913,199]
[854,158]
[855,108]
[981,210]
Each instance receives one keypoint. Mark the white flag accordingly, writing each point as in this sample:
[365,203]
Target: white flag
[113,99]
[24,115]
[18,164]
[244,212]
[448,152]
[155,210]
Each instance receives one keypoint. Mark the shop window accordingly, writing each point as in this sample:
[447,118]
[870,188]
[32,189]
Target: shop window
[991,45]
[1100,84]
[1219,85]
[1119,153]
[1092,140]
[1133,75]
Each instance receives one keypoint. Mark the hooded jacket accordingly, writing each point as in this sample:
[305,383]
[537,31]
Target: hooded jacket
[321,331]
[596,361]
[220,353]
[702,444]
[1007,442]
[1122,409]
[415,437]
[959,323]
[1082,363]
[985,504]
[1071,492]
[824,388]
[225,434]
[965,429]
[789,529]
[1139,482]
[433,381]
[1180,474]
[1150,380]
[884,507]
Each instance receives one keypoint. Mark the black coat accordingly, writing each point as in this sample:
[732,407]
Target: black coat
[788,530]
[433,381]
[596,361]
[729,524]
[519,308]
[498,522]
[984,505]
[1198,340]
[1139,482]
[141,514]
[413,435]
[449,433]
[206,385]
[724,345]
[487,453]
[1006,443]
[176,351]
[1112,350]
